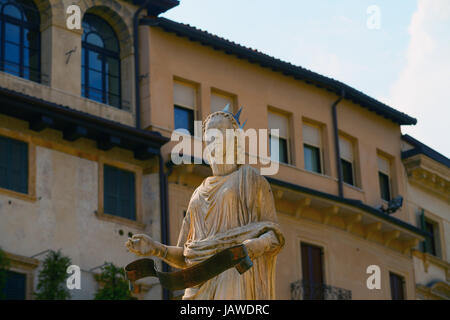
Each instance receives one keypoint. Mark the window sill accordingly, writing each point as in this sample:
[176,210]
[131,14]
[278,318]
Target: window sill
[111,218]
[18,195]
[354,187]
[428,258]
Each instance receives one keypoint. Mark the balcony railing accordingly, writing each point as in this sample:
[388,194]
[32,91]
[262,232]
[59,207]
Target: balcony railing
[303,290]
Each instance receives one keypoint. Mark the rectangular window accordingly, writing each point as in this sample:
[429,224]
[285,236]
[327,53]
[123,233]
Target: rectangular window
[281,122]
[347,160]
[312,148]
[219,101]
[312,271]
[431,244]
[184,119]
[397,286]
[14,286]
[185,100]
[384,178]
[13,165]
[119,192]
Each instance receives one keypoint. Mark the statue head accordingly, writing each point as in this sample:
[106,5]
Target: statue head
[220,130]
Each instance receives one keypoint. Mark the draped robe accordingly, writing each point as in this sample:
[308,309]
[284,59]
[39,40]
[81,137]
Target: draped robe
[225,211]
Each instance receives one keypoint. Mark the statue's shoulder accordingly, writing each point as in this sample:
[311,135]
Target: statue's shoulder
[252,174]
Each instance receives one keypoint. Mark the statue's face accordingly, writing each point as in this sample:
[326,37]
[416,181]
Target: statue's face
[216,126]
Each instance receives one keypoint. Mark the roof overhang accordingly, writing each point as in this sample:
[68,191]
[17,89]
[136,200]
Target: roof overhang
[277,65]
[75,124]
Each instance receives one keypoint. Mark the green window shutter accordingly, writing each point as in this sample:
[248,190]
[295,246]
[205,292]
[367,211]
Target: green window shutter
[127,195]
[119,192]
[423,228]
[110,187]
[13,165]
[4,154]
[19,166]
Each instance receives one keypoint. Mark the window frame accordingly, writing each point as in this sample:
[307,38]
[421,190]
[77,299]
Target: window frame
[426,216]
[388,174]
[26,266]
[320,147]
[138,176]
[286,138]
[351,161]
[227,96]
[403,284]
[21,24]
[193,108]
[104,54]
[31,192]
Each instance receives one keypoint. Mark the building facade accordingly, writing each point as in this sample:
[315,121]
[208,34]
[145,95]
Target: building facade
[75,172]
[87,139]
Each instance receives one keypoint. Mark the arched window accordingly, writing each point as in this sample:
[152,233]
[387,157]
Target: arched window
[20,39]
[100,66]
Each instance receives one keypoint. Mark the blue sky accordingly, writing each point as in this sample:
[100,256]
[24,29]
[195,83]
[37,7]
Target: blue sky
[405,63]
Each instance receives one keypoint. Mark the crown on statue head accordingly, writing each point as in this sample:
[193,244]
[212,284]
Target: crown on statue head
[235,116]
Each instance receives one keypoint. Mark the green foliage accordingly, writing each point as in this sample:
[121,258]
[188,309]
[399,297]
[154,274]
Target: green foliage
[114,284]
[52,277]
[4,266]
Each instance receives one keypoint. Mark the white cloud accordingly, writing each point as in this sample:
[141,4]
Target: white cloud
[423,87]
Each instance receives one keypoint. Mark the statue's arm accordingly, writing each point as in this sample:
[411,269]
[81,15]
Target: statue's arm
[143,245]
[266,243]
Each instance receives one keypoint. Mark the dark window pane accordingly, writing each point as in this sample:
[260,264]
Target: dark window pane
[12,53]
[113,85]
[112,66]
[114,100]
[15,286]
[30,38]
[347,172]
[95,39]
[312,159]
[12,33]
[384,186]
[94,94]
[95,61]
[95,79]
[12,11]
[184,119]
[397,287]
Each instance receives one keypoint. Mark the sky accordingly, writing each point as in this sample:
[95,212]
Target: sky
[397,52]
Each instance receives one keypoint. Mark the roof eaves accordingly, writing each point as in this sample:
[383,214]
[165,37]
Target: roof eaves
[278,65]
[420,148]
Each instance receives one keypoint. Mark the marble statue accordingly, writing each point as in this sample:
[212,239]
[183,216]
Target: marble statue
[233,206]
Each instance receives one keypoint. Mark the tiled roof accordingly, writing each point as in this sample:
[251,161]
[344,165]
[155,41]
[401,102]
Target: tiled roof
[277,65]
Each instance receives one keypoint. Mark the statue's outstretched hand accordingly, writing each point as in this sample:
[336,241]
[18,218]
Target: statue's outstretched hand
[143,245]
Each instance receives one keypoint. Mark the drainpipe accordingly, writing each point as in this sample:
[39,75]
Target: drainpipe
[336,144]
[164,202]
[136,62]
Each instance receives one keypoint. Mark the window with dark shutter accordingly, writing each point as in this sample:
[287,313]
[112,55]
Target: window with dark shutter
[15,286]
[397,286]
[312,270]
[119,192]
[13,165]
